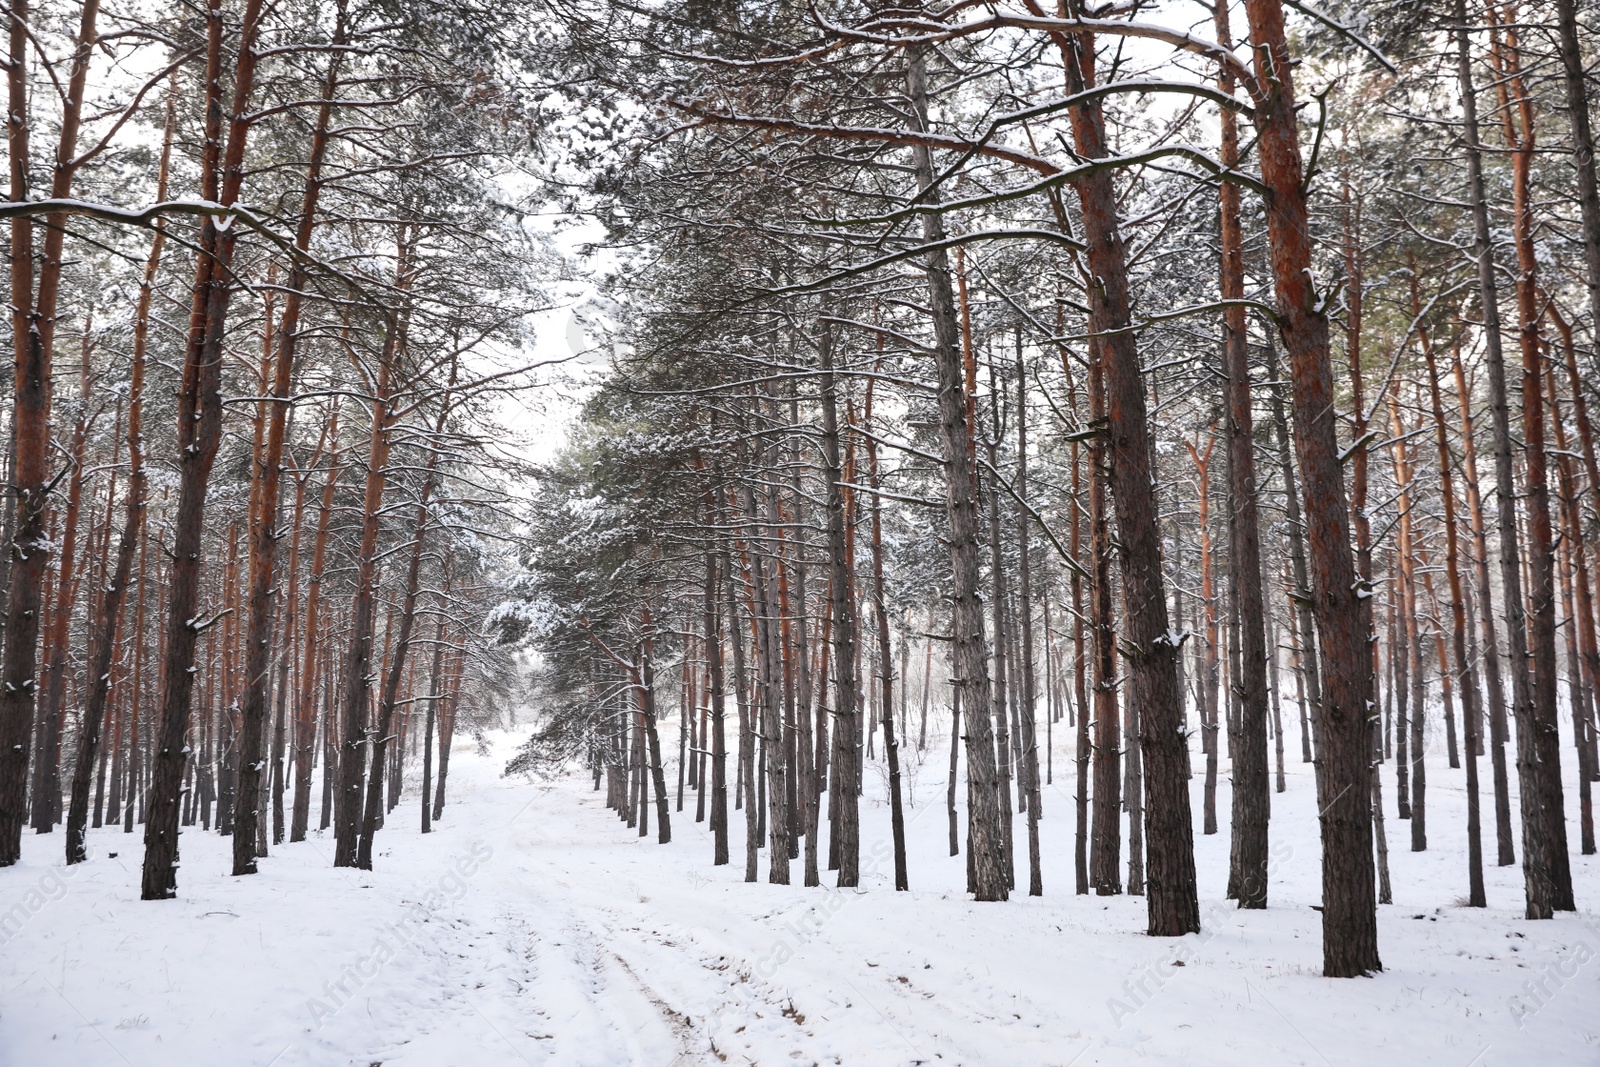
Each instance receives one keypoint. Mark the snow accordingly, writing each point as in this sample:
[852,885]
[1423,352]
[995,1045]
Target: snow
[533,927]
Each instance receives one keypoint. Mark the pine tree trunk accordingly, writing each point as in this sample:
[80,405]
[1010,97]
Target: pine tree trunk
[103,639]
[1536,884]
[1003,681]
[1572,66]
[268,477]
[767,705]
[1105,841]
[1079,663]
[199,434]
[1505,854]
[1028,693]
[1580,611]
[880,609]
[289,608]
[646,691]
[1280,783]
[434,691]
[359,669]
[1302,629]
[447,727]
[747,737]
[1545,866]
[1151,650]
[969,660]
[1210,669]
[843,804]
[788,659]
[685,713]
[717,686]
[1251,796]
[47,762]
[371,817]
[1412,739]
[305,730]
[33,317]
[1471,706]
[927,687]
[1349,919]
[1358,504]
[1580,410]
[228,703]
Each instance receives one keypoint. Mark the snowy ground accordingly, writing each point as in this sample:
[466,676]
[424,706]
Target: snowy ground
[534,928]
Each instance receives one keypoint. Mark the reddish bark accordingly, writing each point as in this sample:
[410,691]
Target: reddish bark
[33,313]
[47,762]
[1349,917]
[267,478]
[1251,793]
[358,667]
[199,433]
[1151,651]
[402,646]
[103,639]
[1547,873]
[1411,730]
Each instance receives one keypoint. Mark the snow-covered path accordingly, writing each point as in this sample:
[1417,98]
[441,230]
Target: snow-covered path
[535,928]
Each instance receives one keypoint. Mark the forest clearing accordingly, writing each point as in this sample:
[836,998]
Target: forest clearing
[568,940]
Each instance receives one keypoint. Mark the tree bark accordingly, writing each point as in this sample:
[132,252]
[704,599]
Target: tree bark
[747,738]
[1210,669]
[1467,678]
[33,316]
[1251,796]
[1411,623]
[1079,664]
[1151,649]
[434,691]
[47,763]
[985,833]
[716,686]
[447,727]
[199,433]
[305,730]
[646,692]
[767,713]
[843,614]
[880,609]
[1004,683]
[1358,505]
[1505,854]
[1580,410]
[1536,885]
[1582,151]
[390,695]
[1105,841]
[265,485]
[358,667]
[1538,744]
[1028,694]
[1349,918]
[1576,594]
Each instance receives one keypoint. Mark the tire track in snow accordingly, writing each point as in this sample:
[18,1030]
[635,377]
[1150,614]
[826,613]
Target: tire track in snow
[600,1008]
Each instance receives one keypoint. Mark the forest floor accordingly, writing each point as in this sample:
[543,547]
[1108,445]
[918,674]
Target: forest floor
[533,927]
